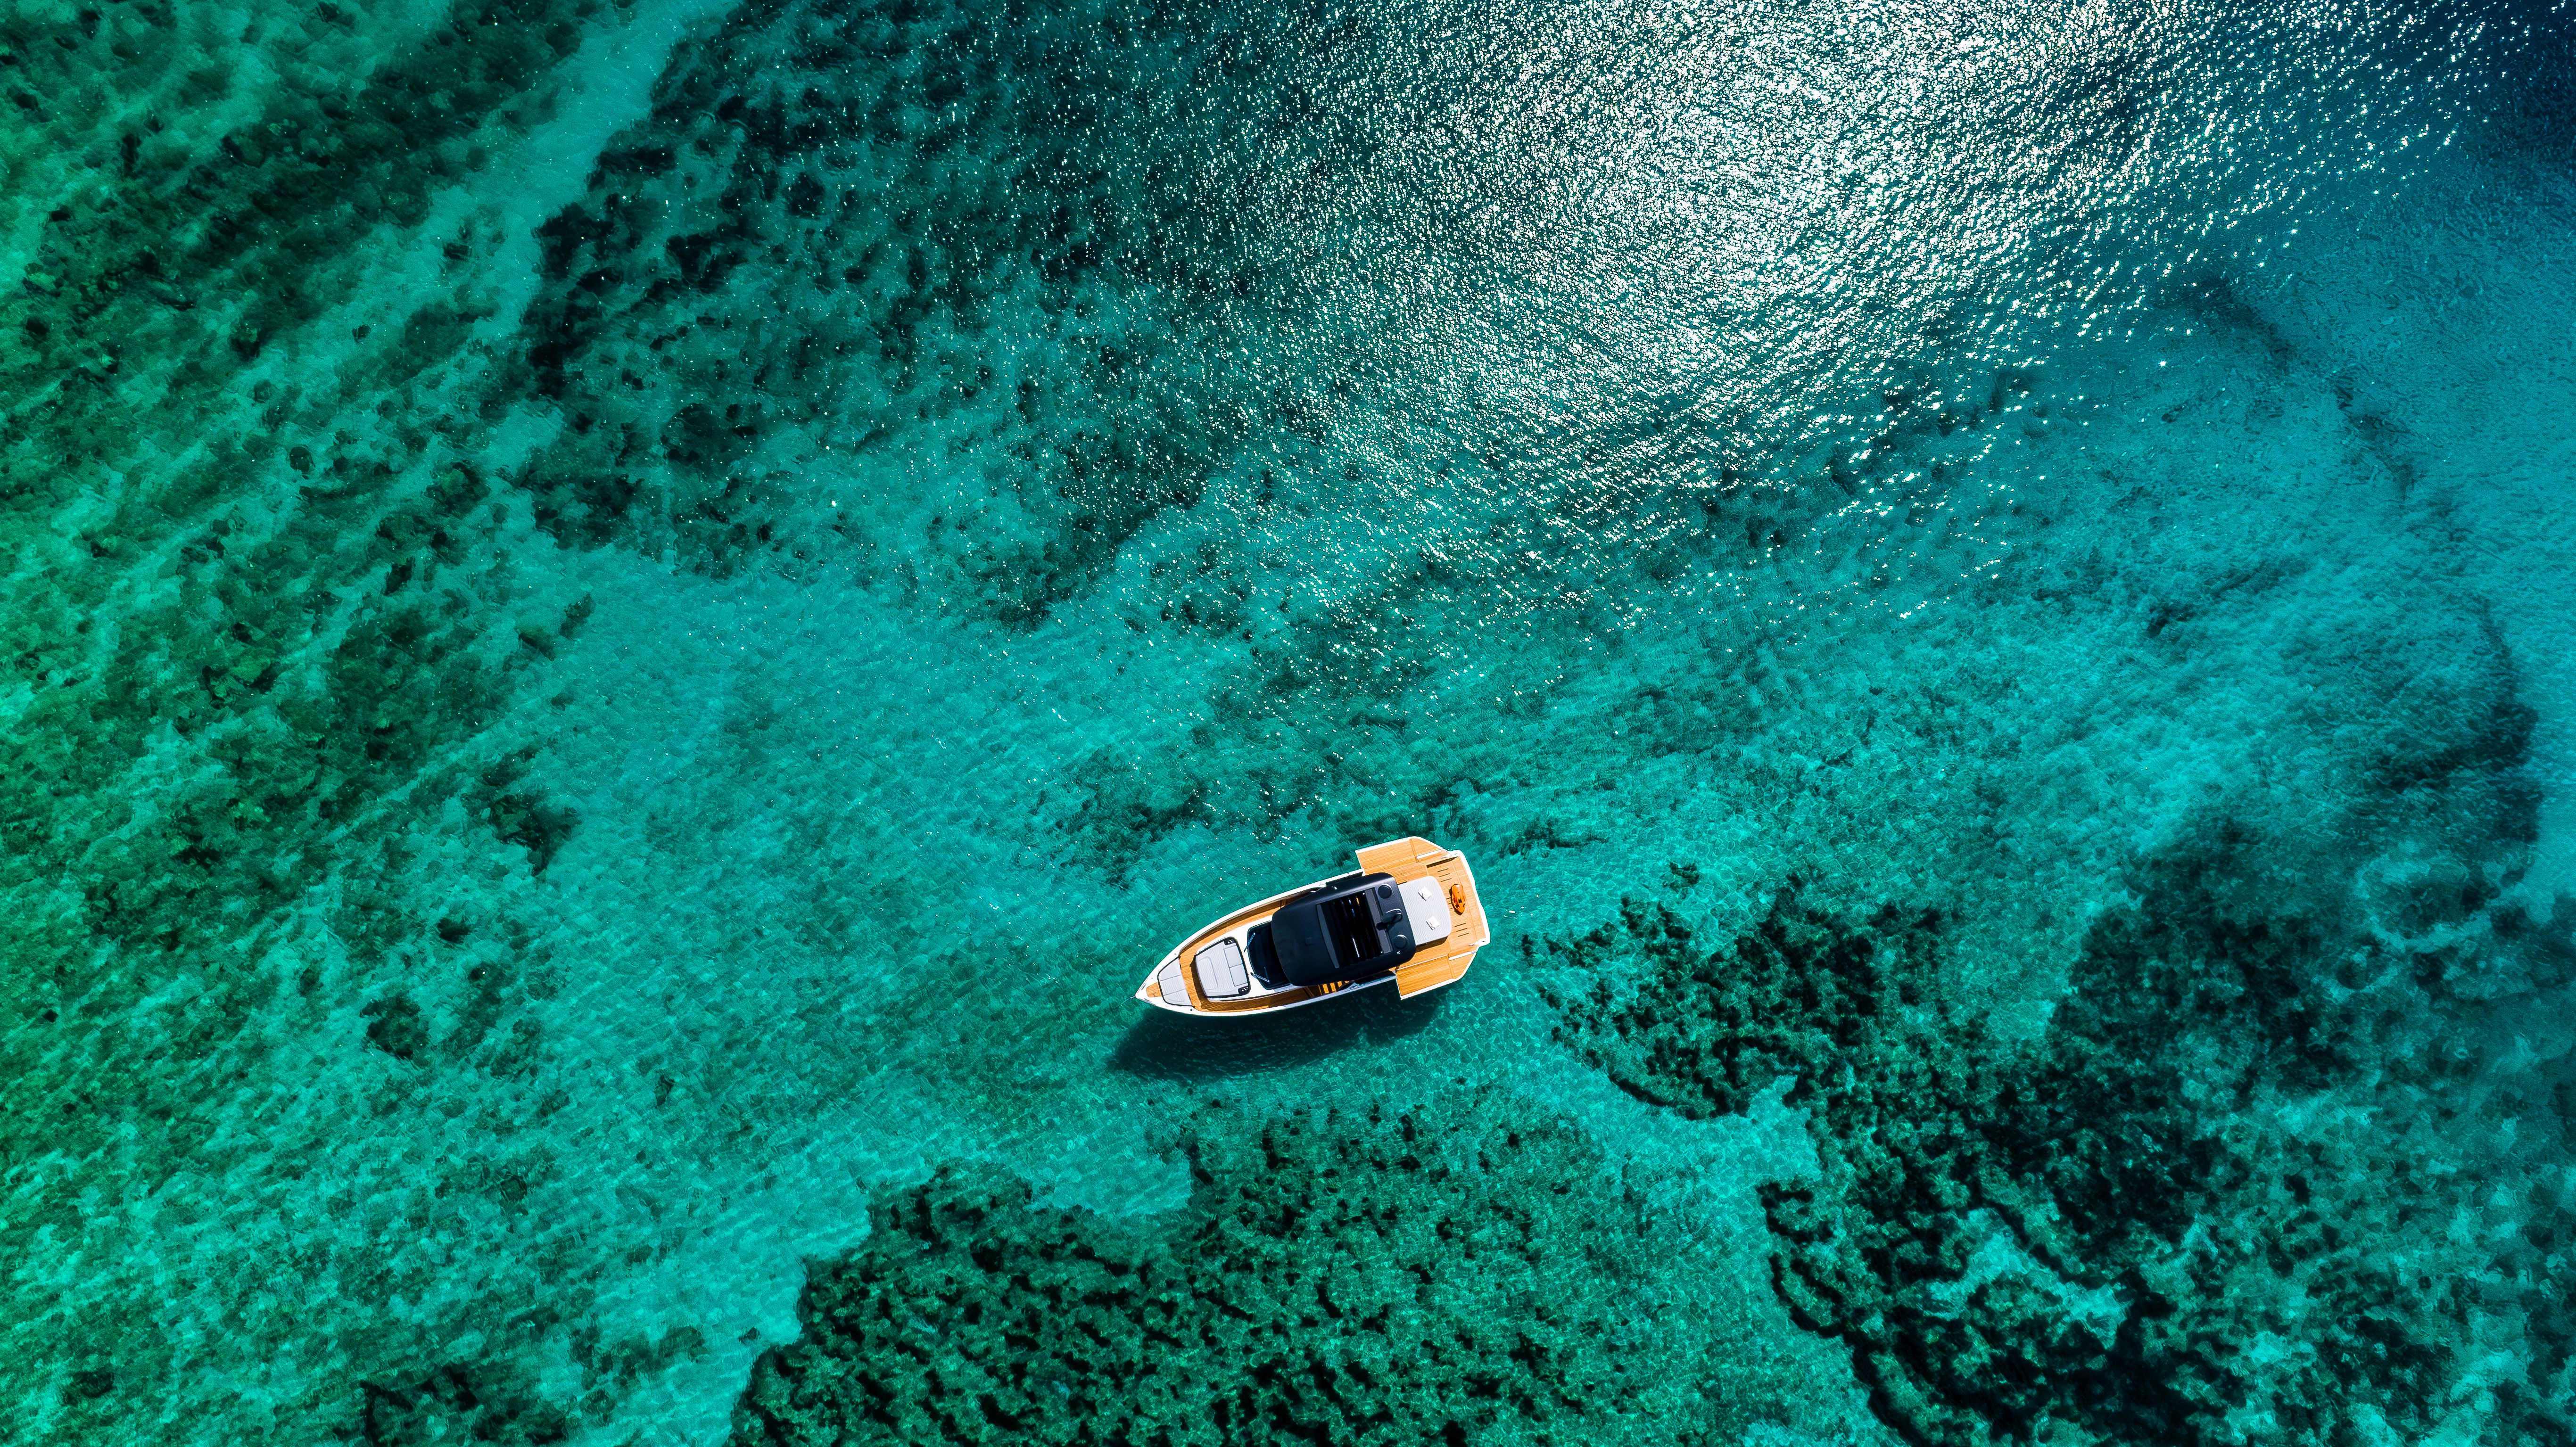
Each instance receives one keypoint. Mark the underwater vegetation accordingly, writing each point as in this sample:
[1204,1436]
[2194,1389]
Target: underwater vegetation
[996,261]
[2247,1173]
[256,626]
[1459,1271]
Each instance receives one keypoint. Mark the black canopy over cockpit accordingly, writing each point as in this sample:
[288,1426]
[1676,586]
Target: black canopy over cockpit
[1346,929]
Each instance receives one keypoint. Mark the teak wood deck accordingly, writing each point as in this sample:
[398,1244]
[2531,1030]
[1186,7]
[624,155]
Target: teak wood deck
[1431,967]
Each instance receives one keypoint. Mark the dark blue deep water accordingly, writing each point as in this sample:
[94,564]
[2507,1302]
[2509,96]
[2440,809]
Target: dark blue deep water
[628,625]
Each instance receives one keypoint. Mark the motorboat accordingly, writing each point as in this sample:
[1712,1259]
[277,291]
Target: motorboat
[1409,914]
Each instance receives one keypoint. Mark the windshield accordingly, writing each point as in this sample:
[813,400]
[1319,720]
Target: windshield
[1342,932]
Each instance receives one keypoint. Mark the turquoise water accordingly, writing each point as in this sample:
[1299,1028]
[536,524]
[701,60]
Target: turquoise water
[631,623]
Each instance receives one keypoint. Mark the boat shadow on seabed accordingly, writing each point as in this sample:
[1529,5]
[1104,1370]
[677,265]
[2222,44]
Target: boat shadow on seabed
[1166,1046]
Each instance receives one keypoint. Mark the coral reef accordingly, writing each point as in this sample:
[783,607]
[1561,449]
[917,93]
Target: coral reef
[1447,1273]
[261,627]
[2257,1180]
[850,235]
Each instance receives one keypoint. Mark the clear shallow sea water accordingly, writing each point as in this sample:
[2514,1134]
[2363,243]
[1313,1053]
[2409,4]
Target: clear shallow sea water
[630,624]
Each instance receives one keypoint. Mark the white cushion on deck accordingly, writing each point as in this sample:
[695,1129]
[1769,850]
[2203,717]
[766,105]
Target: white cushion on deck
[1426,904]
[1221,972]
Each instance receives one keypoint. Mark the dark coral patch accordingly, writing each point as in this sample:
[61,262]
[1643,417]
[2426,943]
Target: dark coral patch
[827,247]
[395,1027]
[1387,1278]
[2100,1231]
[461,1403]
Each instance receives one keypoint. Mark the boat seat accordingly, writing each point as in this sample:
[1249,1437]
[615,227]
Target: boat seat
[1426,910]
[1222,975]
